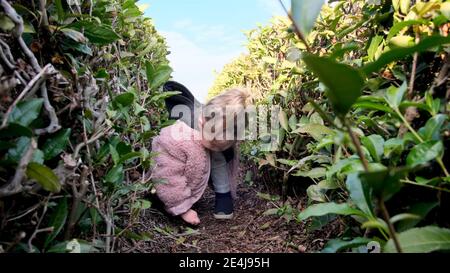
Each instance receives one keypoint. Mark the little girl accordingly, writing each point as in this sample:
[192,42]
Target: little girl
[187,159]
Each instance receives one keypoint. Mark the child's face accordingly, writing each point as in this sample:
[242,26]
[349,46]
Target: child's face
[215,145]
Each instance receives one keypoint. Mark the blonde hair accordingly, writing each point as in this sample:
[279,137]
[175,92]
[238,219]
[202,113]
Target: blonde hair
[236,100]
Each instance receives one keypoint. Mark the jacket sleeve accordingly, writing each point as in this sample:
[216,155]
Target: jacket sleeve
[170,180]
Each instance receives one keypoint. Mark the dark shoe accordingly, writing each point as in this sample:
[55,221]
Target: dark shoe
[224,206]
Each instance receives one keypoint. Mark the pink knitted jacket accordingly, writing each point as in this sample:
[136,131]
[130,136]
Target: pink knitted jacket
[183,167]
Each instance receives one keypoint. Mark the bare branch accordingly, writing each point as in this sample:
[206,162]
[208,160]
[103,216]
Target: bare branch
[5,54]
[15,186]
[31,87]
[91,140]
[77,198]
[18,31]
[54,122]
[37,230]
[44,17]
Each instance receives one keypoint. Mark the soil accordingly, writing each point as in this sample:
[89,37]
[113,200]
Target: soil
[249,232]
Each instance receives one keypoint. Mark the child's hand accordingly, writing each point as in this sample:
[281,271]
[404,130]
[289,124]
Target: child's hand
[191,217]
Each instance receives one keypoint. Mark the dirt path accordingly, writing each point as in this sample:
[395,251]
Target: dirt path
[249,232]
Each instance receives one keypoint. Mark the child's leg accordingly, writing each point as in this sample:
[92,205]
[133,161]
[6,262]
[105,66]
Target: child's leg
[221,182]
[219,173]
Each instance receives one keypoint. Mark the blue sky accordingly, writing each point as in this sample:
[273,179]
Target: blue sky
[204,35]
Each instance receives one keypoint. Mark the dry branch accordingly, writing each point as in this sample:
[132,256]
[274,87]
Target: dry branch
[15,186]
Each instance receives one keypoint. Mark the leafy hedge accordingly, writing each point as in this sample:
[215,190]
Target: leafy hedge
[81,99]
[364,92]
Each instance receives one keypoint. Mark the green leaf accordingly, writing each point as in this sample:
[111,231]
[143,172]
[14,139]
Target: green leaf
[6,24]
[432,129]
[123,148]
[115,175]
[19,149]
[400,53]
[56,145]
[369,105]
[393,146]
[97,34]
[320,111]
[60,10]
[317,131]
[375,145]
[425,152]
[344,83]
[104,151]
[73,246]
[57,221]
[26,112]
[44,176]
[403,217]
[129,156]
[328,208]
[404,6]
[374,46]
[157,76]
[316,193]
[445,9]
[375,224]
[164,95]
[74,35]
[293,122]
[15,130]
[282,116]
[384,183]
[394,95]
[102,74]
[125,99]
[359,193]
[402,41]
[38,156]
[114,154]
[80,47]
[305,13]
[336,245]
[141,204]
[419,209]
[421,240]
[313,173]
[287,162]
[4,145]
[395,29]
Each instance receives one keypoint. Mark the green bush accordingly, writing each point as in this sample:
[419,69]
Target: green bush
[83,103]
[365,116]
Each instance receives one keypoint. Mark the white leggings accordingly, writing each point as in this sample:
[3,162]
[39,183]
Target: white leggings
[219,173]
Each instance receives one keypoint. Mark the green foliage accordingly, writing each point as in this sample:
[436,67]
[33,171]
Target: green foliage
[344,83]
[347,101]
[422,240]
[305,13]
[26,112]
[57,221]
[44,176]
[106,93]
